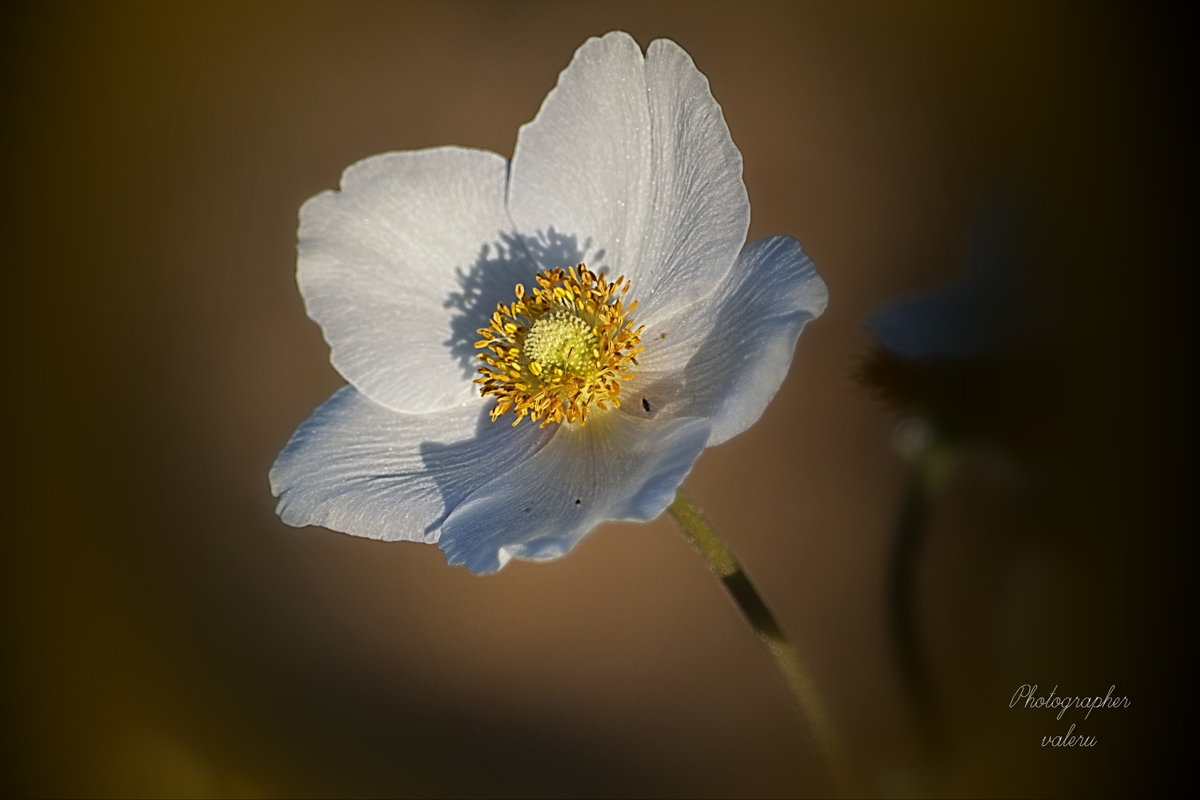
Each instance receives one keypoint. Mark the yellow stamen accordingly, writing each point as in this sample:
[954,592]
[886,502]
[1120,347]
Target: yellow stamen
[560,349]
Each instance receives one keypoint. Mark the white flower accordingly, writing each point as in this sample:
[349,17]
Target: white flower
[628,168]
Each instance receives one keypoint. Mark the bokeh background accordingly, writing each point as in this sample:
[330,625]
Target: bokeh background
[167,636]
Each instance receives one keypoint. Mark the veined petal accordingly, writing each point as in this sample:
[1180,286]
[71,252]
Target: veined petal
[630,161]
[614,468]
[389,266]
[358,467]
[701,210]
[726,356]
[580,168]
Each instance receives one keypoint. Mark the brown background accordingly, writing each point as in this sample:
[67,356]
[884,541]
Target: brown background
[168,636]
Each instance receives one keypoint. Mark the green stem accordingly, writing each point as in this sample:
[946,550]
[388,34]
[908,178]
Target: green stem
[804,690]
[902,605]
[932,471]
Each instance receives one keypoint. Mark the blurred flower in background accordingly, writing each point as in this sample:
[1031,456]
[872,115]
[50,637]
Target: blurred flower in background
[985,312]
[956,360]
[983,374]
[955,363]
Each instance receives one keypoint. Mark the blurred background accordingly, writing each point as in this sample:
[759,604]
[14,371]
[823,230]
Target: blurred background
[167,636]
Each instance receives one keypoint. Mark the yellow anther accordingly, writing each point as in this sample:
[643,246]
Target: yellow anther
[554,353]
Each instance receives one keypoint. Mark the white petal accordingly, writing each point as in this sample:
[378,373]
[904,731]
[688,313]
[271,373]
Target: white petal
[401,267]
[358,467]
[701,211]
[630,168]
[726,356]
[614,468]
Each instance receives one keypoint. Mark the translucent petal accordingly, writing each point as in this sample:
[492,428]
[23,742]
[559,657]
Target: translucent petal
[629,167]
[726,356]
[358,467]
[401,267]
[614,468]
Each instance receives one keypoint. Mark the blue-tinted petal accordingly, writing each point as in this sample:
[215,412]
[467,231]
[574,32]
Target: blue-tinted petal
[726,356]
[988,311]
[614,468]
[358,467]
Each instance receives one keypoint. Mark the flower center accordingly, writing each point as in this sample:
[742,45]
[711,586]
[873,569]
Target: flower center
[565,347]
[561,341]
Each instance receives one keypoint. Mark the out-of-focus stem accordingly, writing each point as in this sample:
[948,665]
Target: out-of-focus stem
[931,472]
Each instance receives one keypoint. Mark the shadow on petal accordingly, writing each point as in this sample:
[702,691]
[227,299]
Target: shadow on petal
[499,267]
[750,327]
[460,468]
[615,468]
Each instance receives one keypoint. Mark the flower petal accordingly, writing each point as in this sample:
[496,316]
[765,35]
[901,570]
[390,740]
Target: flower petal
[392,265]
[630,161]
[358,467]
[726,356]
[614,468]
